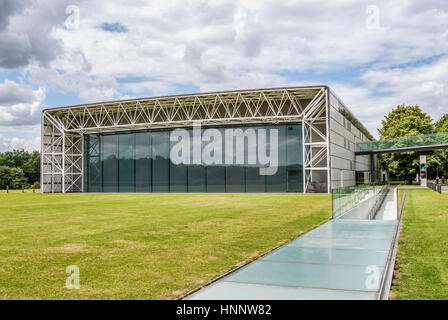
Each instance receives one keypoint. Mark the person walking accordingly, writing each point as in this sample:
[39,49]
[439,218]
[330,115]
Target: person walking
[443,179]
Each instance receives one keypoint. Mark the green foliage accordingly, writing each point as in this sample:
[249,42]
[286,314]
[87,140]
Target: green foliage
[19,168]
[31,167]
[401,122]
[442,126]
[5,175]
[12,177]
[405,121]
[17,178]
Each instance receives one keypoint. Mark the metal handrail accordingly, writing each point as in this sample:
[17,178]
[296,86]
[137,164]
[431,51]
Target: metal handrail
[379,202]
[434,186]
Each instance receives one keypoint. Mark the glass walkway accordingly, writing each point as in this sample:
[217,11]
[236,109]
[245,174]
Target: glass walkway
[404,144]
[345,258]
[335,261]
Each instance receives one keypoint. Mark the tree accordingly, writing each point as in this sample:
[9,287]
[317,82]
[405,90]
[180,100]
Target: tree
[17,177]
[442,126]
[31,167]
[15,158]
[29,162]
[401,122]
[5,176]
[12,177]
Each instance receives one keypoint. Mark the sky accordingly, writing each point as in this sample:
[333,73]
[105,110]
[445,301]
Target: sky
[374,54]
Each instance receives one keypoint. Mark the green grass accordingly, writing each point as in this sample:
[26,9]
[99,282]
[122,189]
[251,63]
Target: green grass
[140,246]
[422,260]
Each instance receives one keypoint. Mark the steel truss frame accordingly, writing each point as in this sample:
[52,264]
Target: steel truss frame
[63,129]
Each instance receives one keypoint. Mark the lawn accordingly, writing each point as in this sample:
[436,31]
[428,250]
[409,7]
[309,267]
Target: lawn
[422,261]
[140,246]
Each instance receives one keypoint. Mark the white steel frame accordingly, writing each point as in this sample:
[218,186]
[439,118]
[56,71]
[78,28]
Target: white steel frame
[63,128]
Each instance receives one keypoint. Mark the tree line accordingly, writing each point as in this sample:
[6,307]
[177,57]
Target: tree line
[19,168]
[406,121]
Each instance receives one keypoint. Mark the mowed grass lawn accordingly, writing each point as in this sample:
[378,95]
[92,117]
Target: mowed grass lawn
[140,246]
[422,260]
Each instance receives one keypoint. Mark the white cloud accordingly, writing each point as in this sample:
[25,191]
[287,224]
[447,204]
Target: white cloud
[11,143]
[221,45]
[383,89]
[20,105]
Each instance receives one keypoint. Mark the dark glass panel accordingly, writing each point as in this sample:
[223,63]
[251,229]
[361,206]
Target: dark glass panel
[216,176]
[277,181]
[196,178]
[109,157]
[179,171]
[235,178]
[93,179]
[143,162]
[216,172]
[254,181]
[126,166]
[294,181]
[294,158]
[160,153]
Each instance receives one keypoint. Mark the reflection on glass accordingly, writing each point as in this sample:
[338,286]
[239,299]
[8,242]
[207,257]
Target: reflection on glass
[143,163]
[93,178]
[160,151]
[126,162]
[140,162]
[109,156]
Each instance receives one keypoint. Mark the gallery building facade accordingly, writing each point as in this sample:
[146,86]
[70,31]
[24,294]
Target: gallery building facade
[293,139]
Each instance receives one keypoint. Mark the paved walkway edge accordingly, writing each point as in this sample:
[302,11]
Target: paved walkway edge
[388,275]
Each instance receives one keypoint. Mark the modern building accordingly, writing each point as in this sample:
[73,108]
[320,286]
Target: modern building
[293,139]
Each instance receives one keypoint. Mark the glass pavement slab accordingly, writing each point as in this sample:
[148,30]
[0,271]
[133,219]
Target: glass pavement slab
[326,276]
[342,233]
[342,243]
[361,222]
[222,290]
[340,224]
[328,256]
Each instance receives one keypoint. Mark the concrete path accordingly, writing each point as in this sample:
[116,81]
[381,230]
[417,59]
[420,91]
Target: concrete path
[389,209]
[342,259]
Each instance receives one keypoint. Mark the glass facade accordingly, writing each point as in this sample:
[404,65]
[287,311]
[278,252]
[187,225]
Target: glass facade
[225,159]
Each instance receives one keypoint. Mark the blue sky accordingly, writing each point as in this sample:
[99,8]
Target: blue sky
[374,54]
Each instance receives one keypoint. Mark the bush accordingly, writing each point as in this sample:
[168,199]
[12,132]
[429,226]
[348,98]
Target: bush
[5,174]
[12,177]
[17,178]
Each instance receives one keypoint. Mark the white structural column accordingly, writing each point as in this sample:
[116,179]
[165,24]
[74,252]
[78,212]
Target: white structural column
[63,129]
[315,144]
[62,158]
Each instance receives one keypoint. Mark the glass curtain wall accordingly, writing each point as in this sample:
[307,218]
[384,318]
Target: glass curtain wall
[140,161]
